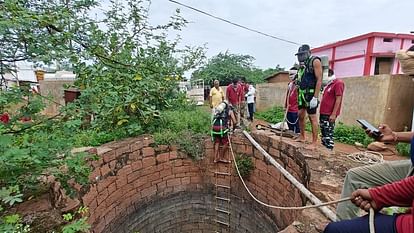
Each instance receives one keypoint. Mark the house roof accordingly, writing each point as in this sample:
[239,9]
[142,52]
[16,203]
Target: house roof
[276,74]
[362,37]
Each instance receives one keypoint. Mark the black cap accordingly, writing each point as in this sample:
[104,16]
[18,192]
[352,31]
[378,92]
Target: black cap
[303,49]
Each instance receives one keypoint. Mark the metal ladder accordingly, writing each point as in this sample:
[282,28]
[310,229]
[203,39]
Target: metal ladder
[222,186]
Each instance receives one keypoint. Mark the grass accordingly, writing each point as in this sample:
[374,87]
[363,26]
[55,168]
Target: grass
[343,133]
[186,128]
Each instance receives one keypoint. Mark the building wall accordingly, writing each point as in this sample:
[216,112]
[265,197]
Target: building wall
[270,95]
[279,78]
[376,99]
[357,50]
[342,66]
[53,87]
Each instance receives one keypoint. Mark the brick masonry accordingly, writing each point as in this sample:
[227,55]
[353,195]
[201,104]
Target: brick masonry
[136,186]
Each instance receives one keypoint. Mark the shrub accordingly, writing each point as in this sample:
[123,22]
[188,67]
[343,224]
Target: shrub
[403,149]
[273,115]
[351,134]
[343,133]
[186,127]
[245,165]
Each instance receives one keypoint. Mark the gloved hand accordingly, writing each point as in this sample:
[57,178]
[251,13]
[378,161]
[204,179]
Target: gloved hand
[313,103]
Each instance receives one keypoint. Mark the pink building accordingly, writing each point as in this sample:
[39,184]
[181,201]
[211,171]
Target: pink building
[368,54]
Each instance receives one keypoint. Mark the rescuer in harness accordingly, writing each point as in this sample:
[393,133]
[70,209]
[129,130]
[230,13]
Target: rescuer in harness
[222,119]
[309,83]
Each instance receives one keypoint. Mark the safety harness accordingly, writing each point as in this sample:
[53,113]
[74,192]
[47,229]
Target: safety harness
[219,125]
[308,69]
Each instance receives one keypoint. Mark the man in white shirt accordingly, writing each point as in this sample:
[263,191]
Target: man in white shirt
[250,101]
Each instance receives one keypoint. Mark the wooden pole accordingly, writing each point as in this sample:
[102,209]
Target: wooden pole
[325,210]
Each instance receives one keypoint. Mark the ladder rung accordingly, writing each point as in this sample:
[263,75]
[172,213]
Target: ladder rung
[223,223]
[222,186]
[222,173]
[223,211]
[222,198]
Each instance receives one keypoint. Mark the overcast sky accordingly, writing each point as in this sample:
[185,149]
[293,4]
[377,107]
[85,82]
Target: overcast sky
[315,22]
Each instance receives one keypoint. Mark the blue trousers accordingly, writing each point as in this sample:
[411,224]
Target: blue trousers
[292,117]
[383,224]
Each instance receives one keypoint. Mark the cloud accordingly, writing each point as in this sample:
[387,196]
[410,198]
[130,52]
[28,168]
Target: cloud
[315,22]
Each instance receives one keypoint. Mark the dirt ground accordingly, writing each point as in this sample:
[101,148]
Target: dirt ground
[328,169]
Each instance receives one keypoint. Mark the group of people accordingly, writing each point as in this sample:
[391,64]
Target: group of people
[302,98]
[228,111]
[373,186]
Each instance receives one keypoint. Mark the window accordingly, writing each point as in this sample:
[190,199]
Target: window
[387,39]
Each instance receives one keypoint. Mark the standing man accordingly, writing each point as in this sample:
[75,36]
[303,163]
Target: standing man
[251,94]
[245,90]
[291,102]
[330,108]
[216,96]
[234,95]
[310,82]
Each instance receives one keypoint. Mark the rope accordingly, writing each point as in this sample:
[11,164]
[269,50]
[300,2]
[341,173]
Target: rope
[371,210]
[366,157]
[280,207]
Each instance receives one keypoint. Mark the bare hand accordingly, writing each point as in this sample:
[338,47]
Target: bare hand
[386,134]
[362,198]
[332,118]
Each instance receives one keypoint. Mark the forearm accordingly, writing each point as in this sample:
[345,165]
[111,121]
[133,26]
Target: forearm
[337,104]
[403,136]
[318,87]
[399,193]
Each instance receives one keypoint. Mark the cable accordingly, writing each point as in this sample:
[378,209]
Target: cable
[235,24]
[371,210]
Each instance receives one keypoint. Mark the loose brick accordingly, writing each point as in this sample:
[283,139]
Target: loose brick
[110,216]
[125,170]
[182,169]
[112,187]
[149,161]
[105,170]
[261,165]
[164,157]
[149,191]
[112,164]
[109,156]
[89,197]
[103,184]
[137,165]
[195,180]
[148,151]
[133,176]
[136,146]
[121,181]
[166,172]
[122,150]
[173,182]
[114,197]
[185,180]
[173,155]
[136,155]
[140,182]
[161,185]
[102,196]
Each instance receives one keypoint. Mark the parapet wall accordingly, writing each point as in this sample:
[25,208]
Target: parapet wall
[136,186]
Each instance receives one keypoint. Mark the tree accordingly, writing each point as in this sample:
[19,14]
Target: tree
[227,66]
[126,68]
